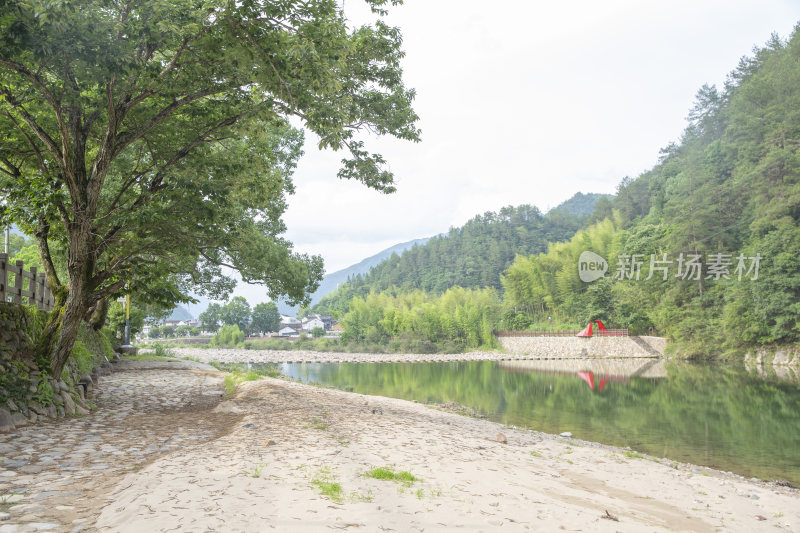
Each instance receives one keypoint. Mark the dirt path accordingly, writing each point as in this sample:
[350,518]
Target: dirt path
[57,475]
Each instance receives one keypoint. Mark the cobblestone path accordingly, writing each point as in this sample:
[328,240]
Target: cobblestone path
[55,475]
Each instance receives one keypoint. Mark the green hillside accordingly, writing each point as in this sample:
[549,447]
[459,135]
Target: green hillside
[472,256]
[727,193]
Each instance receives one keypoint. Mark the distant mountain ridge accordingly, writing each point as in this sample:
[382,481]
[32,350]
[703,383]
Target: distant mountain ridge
[180,313]
[330,282]
[581,204]
[471,256]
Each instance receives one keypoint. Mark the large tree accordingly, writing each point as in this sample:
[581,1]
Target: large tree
[236,313]
[152,141]
[265,318]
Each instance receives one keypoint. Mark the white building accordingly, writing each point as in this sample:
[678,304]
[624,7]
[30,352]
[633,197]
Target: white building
[288,332]
[289,322]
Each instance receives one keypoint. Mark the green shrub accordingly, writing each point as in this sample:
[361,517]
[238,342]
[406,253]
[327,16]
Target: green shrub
[44,393]
[83,358]
[161,350]
[88,352]
[228,337]
[14,382]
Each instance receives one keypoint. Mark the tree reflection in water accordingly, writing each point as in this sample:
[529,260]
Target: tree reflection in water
[715,415]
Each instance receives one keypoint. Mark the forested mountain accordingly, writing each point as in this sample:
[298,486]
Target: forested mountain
[582,204]
[472,256]
[725,198]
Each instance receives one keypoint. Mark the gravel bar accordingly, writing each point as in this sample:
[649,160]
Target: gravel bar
[221,355]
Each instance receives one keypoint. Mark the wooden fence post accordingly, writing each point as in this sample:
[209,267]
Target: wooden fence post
[3,277]
[40,293]
[17,296]
[32,287]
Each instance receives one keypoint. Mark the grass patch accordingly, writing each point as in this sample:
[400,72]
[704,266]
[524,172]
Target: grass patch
[233,380]
[534,453]
[230,385]
[317,423]
[387,474]
[155,352]
[326,485]
[255,471]
[5,504]
[360,497]
[633,455]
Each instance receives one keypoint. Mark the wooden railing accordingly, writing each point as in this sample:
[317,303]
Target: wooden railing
[27,284]
[563,333]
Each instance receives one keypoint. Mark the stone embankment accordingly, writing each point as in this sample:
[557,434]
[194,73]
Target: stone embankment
[29,394]
[578,347]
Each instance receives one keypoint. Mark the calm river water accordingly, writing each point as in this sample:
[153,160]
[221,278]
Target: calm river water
[714,415]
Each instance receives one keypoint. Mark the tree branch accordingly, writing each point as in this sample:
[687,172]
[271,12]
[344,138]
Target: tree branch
[42,165]
[42,233]
[155,184]
[127,137]
[37,82]
[31,122]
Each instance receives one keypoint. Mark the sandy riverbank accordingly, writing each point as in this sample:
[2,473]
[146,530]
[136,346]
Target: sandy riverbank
[261,475]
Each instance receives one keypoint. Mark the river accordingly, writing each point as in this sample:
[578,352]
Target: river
[720,416]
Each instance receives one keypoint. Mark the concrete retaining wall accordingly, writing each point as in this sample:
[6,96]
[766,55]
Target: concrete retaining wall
[572,347]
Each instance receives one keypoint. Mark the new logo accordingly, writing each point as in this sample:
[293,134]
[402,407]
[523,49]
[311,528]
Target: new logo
[591,267]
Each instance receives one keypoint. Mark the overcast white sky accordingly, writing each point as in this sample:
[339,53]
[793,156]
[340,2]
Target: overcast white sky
[525,102]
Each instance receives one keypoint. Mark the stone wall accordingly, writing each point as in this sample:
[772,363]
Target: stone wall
[572,347]
[28,393]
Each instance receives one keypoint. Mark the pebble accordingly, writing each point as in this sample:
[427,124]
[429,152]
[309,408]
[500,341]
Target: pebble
[222,355]
[566,434]
[43,526]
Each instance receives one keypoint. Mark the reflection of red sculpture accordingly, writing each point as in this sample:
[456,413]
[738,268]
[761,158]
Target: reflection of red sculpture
[588,377]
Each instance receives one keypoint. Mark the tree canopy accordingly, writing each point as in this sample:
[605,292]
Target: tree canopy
[152,140]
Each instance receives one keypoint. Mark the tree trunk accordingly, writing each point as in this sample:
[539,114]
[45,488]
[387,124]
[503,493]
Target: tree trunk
[65,320]
[98,314]
[62,331]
